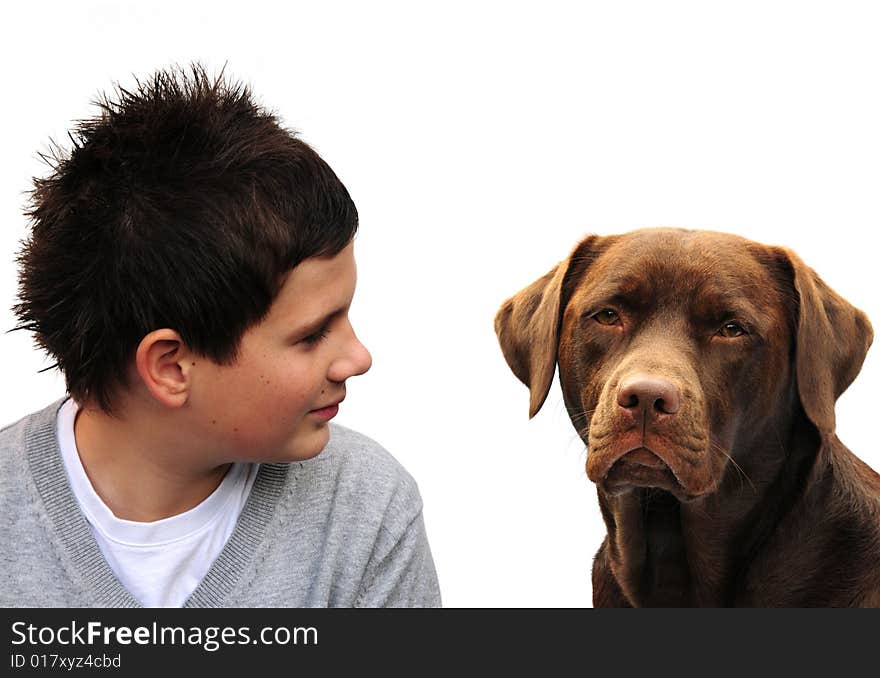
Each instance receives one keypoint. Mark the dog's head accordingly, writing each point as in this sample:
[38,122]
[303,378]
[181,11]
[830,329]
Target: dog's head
[676,347]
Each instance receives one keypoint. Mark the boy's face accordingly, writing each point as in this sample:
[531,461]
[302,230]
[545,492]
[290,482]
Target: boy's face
[274,402]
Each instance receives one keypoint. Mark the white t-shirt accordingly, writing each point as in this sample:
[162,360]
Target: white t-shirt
[161,562]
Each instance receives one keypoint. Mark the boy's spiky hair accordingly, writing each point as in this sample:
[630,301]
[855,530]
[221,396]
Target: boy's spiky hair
[182,204]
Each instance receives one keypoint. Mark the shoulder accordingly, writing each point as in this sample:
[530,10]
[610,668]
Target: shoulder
[28,457]
[33,430]
[353,452]
[15,432]
[367,478]
[47,414]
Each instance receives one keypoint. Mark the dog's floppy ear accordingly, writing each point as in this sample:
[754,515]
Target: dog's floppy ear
[527,325]
[833,338]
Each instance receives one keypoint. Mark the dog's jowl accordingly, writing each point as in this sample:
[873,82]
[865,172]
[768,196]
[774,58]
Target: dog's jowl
[701,371]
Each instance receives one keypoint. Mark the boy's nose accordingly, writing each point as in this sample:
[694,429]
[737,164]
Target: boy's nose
[362,360]
[357,360]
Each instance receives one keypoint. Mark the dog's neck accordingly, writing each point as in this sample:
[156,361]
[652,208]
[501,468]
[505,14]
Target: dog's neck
[669,553]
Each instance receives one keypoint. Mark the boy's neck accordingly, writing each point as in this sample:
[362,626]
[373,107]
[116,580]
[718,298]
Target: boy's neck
[140,471]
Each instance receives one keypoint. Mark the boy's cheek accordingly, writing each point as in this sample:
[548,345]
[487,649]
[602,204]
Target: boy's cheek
[258,441]
[268,424]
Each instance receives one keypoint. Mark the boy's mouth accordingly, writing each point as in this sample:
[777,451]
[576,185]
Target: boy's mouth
[328,411]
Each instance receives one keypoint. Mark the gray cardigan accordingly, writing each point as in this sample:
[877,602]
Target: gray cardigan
[343,529]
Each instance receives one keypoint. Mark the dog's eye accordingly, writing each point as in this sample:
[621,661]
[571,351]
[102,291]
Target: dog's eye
[607,317]
[731,330]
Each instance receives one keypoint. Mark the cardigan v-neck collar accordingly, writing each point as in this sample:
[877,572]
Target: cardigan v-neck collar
[73,535]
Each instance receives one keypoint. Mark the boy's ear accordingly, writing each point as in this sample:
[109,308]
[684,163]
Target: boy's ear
[162,364]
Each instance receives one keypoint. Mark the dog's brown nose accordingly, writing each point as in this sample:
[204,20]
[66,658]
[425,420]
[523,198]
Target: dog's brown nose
[653,394]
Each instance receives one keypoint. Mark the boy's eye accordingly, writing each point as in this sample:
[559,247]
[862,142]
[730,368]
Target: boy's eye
[315,337]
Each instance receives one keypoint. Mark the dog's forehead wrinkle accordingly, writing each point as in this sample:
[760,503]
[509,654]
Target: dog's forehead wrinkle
[699,290]
[654,253]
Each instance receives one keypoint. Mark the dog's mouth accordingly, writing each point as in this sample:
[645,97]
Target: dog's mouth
[640,468]
[642,456]
[619,461]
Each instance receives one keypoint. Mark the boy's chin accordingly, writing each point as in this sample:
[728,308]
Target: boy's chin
[306,445]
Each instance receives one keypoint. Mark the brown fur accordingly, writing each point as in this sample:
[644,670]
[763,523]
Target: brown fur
[741,494]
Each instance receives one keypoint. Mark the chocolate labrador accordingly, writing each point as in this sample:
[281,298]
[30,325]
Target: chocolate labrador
[701,370]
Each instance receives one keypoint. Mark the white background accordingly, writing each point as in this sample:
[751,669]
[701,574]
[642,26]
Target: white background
[480,141]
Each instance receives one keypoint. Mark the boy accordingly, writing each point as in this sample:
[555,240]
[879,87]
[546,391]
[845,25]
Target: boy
[190,270]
